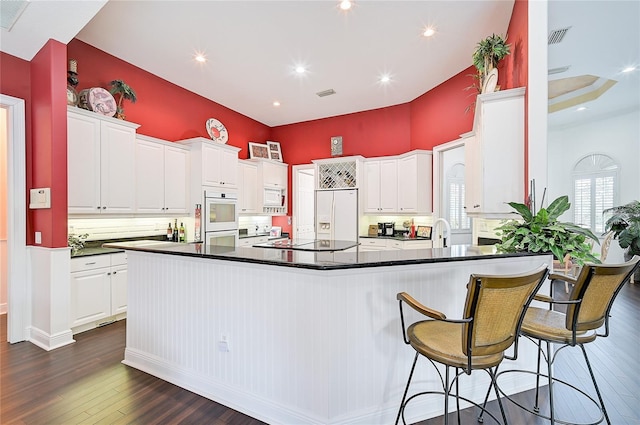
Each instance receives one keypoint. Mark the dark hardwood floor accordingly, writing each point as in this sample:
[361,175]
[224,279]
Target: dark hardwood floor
[86,383]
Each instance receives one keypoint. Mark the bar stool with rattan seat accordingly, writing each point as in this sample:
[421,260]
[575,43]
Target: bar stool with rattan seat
[492,315]
[587,310]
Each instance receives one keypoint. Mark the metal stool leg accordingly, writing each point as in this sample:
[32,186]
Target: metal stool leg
[446,396]
[495,386]
[536,406]
[549,373]
[593,378]
[404,396]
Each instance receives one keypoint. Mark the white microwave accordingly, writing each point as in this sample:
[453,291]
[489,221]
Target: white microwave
[273,197]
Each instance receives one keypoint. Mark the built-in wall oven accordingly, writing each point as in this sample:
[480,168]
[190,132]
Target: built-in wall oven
[221,217]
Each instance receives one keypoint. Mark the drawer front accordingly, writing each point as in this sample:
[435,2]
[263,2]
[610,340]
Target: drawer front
[395,244]
[90,262]
[119,259]
[373,243]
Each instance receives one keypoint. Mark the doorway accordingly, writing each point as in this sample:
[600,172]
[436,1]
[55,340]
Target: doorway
[13,125]
[449,190]
[304,202]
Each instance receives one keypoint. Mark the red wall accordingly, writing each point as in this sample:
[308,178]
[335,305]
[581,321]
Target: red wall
[49,158]
[443,113]
[164,110]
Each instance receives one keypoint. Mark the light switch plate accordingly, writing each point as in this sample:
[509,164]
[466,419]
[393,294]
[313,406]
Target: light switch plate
[336,145]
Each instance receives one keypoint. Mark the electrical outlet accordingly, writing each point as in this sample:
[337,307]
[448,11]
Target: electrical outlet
[223,344]
[38,238]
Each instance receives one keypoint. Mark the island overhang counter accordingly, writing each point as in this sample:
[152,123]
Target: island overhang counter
[300,337]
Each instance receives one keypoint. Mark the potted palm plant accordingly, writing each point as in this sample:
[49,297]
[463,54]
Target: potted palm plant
[123,91]
[543,232]
[489,52]
[624,222]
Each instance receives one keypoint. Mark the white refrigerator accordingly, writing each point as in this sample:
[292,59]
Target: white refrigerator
[337,214]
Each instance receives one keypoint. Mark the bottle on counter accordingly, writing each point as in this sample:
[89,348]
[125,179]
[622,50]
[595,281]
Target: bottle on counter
[181,235]
[169,232]
[175,231]
[198,213]
[413,230]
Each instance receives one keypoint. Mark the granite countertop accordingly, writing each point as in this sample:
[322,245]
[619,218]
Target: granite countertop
[96,248]
[397,238]
[339,260]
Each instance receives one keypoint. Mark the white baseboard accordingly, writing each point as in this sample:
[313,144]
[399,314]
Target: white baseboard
[261,409]
[50,342]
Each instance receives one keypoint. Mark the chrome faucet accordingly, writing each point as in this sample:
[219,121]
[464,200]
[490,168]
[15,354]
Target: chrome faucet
[447,230]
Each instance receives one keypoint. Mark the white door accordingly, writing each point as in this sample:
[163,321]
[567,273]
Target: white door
[303,202]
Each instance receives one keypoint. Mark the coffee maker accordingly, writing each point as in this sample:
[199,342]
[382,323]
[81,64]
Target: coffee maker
[385,229]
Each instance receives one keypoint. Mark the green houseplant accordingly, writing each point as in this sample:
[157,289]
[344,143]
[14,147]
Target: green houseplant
[489,52]
[624,222]
[123,91]
[543,232]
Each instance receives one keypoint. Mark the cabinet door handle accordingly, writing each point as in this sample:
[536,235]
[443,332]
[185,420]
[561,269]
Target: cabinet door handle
[104,208]
[476,206]
[115,272]
[89,264]
[98,207]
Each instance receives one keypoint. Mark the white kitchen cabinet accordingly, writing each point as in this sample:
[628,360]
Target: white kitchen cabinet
[221,166]
[252,240]
[274,174]
[388,244]
[248,187]
[381,186]
[100,163]
[415,182]
[494,154]
[372,244]
[210,164]
[98,290]
[272,186]
[161,176]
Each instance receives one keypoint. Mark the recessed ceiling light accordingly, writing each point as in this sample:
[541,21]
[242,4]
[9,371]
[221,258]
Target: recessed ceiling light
[276,103]
[629,69]
[582,108]
[199,57]
[300,69]
[429,31]
[385,79]
[345,5]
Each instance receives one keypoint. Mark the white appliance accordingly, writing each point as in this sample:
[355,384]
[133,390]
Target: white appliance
[273,197]
[337,214]
[220,217]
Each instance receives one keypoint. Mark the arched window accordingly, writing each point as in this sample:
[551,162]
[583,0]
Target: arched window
[455,198]
[595,188]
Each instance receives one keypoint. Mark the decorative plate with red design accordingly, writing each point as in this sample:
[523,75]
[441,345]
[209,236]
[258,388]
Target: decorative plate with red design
[217,131]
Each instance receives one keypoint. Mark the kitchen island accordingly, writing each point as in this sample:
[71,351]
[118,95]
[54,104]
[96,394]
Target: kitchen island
[299,337]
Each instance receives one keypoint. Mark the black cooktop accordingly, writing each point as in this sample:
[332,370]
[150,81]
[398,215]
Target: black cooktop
[308,245]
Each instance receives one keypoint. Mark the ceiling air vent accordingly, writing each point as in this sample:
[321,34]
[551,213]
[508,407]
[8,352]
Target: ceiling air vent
[559,70]
[326,93]
[556,36]
[10,11]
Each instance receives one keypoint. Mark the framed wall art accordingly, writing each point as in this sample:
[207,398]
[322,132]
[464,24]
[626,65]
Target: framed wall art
[258,150]
[274,151]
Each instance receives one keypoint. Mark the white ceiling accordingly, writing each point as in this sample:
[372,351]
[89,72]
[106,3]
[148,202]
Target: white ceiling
[604,39]
[253,46]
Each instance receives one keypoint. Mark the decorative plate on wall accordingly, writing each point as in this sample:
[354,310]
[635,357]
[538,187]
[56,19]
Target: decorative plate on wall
[217,131]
